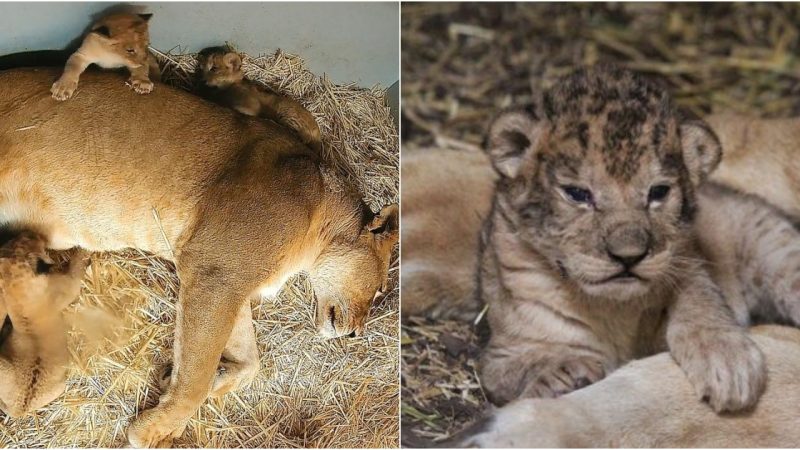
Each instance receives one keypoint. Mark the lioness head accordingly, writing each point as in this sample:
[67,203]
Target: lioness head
[601,179]
[124,35]
[219,66]
[350,275]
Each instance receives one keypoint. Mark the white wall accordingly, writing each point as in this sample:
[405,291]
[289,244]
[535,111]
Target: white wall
[349,41]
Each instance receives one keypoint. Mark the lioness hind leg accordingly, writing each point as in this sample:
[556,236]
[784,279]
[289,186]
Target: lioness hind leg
[239,363]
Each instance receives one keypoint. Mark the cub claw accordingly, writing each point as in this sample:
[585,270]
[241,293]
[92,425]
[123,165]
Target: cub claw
[63,89]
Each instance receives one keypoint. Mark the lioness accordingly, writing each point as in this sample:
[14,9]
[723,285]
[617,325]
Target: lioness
[222,80]
[648,403]
[116,40]
[239,204]
[33,349]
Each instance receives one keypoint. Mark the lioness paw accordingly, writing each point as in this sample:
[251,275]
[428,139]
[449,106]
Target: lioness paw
[152,430]
[63,89]
[727,370]
[140,86]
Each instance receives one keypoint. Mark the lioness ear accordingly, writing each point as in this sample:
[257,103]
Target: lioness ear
[512,134]
[233,61]
[386,224]
[102,31]
[146,17]
[702,151]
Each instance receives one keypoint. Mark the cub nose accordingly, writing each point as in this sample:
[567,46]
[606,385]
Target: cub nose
[628,246]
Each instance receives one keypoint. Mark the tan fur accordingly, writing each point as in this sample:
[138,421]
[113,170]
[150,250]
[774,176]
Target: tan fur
[649,403]
[242,205]
[34,356]
[223,82]
[446,196]
[117,40]
[762,157]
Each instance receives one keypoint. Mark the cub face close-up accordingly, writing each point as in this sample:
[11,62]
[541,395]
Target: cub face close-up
[628,231]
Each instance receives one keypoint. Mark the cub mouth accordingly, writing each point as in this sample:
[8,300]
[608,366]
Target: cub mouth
[624,276]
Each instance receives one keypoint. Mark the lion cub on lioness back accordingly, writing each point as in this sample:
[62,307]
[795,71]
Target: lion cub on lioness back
[115,41]
[33,344]
[222,81]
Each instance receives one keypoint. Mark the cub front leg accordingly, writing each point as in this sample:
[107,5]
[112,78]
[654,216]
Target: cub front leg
[66,85]
[139,80]
[539,370]
[723,364]
[208,304]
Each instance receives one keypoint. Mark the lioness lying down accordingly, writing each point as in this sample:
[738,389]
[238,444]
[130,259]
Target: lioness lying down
[239,204]
[33,344]
[649,403]
[605,243]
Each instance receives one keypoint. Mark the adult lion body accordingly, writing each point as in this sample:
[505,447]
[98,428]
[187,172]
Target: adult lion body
[237,203]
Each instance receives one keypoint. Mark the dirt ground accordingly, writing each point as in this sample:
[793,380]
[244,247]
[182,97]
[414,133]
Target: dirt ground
[462,63]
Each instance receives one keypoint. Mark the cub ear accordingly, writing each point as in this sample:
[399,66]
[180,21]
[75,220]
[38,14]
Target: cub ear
[102,31]
[701,149]
[233,61]
[386,224]
[511,136]
[145,17]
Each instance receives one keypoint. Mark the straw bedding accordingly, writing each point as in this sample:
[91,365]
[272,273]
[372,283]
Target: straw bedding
[309,392]
[462,63]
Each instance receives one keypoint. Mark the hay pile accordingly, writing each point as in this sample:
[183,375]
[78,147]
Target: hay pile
[462,63]
[309,392]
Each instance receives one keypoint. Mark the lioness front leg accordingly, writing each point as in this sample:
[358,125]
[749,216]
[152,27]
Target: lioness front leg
[545,370]
[139,80]
[239,364]
[208,304]
[723,364]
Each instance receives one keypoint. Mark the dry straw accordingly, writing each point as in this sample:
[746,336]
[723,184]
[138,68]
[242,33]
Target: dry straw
[309,392]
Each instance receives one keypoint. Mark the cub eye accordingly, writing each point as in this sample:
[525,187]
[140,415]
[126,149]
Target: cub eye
[657,193]
[577,194]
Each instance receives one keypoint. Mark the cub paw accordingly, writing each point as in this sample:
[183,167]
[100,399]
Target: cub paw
[547,377]
[727,370]
[63,89]
[141,86]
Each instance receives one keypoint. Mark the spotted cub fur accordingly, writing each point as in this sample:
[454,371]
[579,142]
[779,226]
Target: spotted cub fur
[590,257]
[33,349]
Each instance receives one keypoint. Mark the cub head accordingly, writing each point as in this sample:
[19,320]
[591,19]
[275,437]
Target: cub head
[351,274]
[125,35]
[219,66]
[24,255]
[601,180]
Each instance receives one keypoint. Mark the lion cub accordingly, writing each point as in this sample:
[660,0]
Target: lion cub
[222,81]
[117,40]
[33,342]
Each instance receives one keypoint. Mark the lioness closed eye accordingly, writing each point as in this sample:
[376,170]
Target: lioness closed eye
[117,40]
[33,345]
[590,258]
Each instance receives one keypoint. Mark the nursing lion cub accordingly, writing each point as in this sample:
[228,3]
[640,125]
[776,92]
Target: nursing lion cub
[239,204]
[33,346]
[115,41]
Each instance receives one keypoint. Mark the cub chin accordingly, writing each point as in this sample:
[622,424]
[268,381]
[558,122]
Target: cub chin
[33,343]
[115,41]
[222,81]
[589,258]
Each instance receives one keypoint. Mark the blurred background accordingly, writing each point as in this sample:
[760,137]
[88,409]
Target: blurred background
[462,63]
